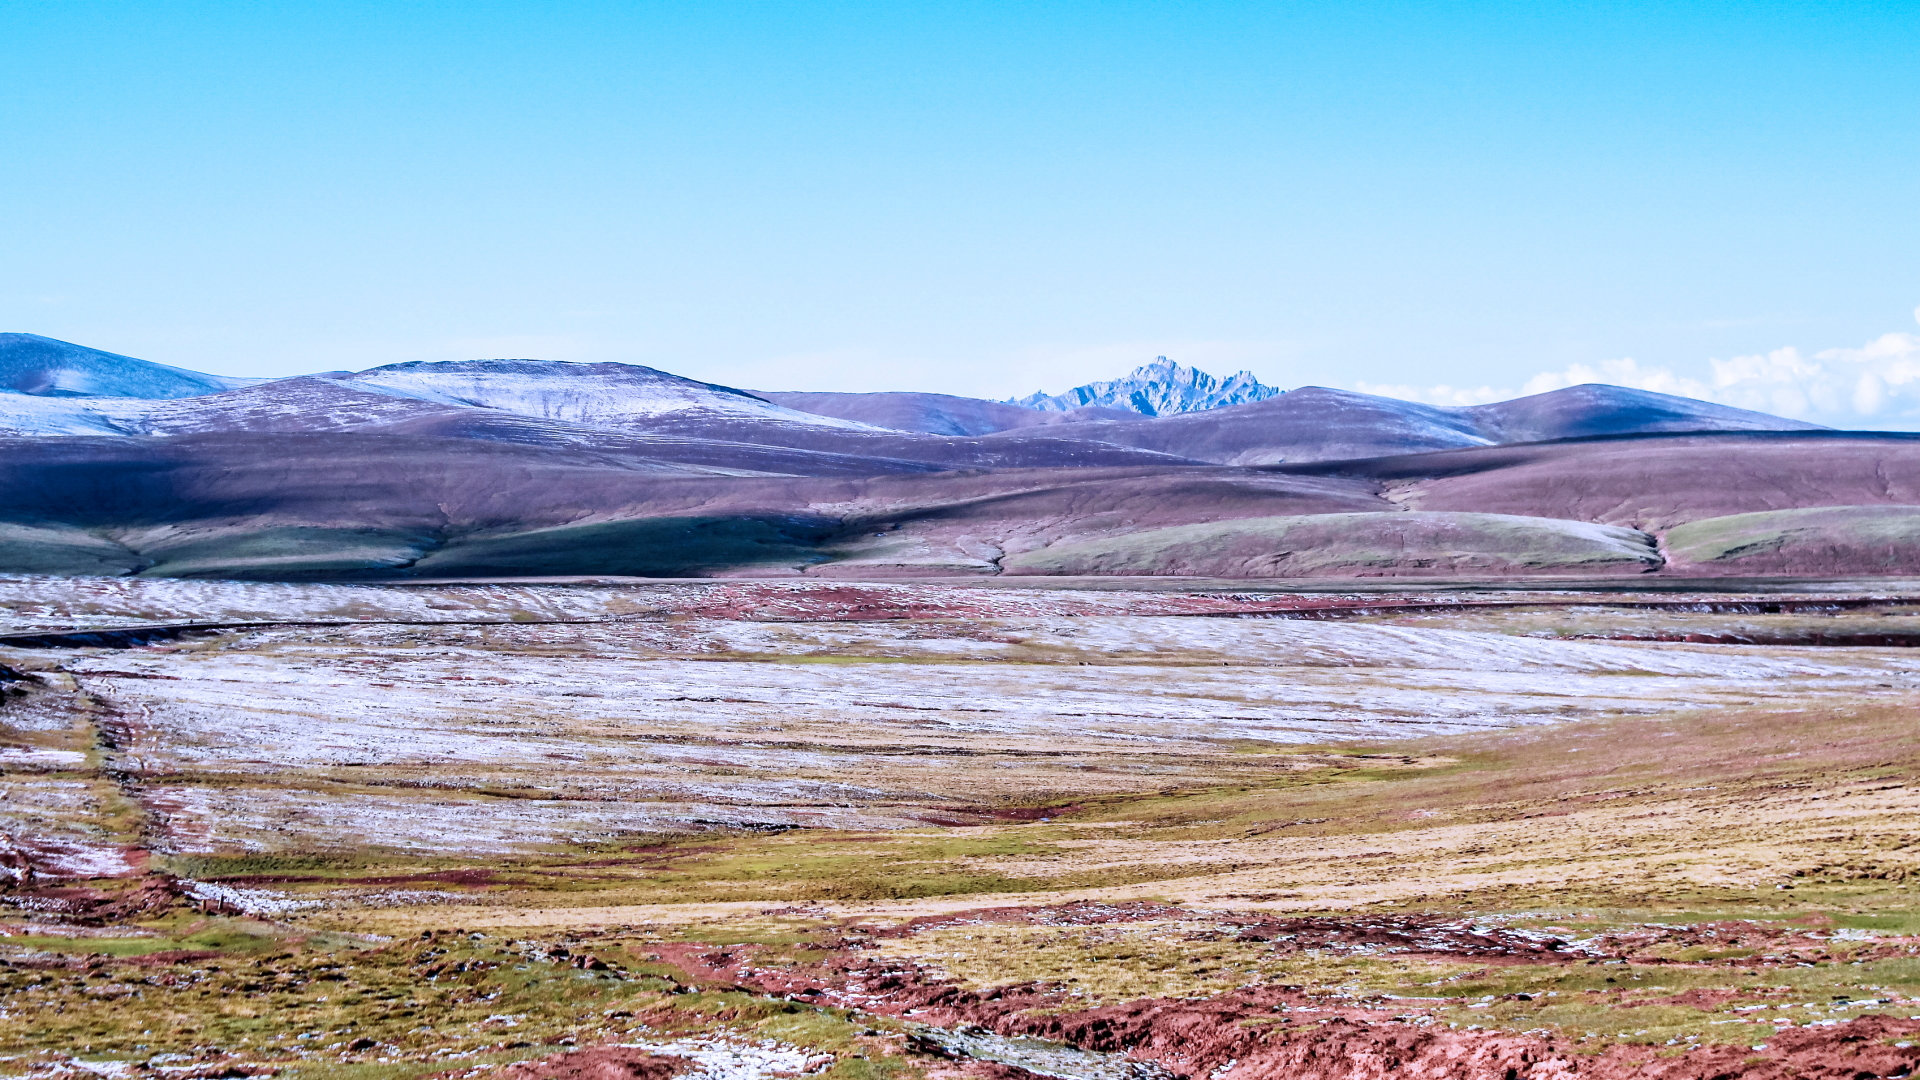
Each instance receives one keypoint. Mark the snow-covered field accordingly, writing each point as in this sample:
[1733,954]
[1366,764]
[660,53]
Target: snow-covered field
[525,717]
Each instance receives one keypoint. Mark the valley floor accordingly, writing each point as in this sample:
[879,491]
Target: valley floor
[744,829]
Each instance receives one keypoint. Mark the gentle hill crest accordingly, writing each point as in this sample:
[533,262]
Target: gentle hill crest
[45,367]
[600,395]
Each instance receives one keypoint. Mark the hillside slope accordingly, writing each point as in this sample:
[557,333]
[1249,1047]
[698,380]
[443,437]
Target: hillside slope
[44,367]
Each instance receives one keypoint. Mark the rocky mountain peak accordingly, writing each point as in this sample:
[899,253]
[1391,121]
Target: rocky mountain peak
[1162,388]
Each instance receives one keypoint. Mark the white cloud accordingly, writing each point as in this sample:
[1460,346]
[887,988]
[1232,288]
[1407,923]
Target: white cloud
[1875,385]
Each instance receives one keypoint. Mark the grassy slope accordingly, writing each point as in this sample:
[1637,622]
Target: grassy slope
[1715,808]
[1863,539]
[62,549]
[1342,544]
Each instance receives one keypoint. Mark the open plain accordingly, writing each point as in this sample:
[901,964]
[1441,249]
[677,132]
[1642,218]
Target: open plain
[1058,827]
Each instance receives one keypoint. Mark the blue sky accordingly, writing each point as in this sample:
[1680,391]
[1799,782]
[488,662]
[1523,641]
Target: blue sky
[1449,201]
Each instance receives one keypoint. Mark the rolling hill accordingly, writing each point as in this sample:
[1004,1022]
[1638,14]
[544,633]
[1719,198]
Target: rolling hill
[531,468]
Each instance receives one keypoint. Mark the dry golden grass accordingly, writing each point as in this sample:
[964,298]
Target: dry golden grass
[1700,810]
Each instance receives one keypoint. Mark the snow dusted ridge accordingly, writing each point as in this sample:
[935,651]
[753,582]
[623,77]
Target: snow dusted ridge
[596,395]
[43,367]
[1162,388]
[103,394]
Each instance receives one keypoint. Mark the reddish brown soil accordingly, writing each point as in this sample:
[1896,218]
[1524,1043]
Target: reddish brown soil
[1428,935]
[594,1063]
[1198,1038]
[1456,938]
[1279,1031]
[1697,998]
[1082,913]
[85,906]
[972,1069]
[1411,935]
[1285,1032]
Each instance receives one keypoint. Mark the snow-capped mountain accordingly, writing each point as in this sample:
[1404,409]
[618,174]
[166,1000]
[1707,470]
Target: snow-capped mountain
[45,367]
[1162,388]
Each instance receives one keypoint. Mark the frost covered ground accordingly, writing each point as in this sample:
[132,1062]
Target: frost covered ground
[780,829]
[555,716]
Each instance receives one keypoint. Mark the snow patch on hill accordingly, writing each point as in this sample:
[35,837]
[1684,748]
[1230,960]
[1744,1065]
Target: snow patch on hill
[597,395]
[43,367]
[582,397]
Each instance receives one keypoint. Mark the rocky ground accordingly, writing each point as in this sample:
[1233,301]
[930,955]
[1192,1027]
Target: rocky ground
[739,829]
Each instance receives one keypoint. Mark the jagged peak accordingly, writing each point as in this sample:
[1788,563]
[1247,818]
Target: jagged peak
[1162,388]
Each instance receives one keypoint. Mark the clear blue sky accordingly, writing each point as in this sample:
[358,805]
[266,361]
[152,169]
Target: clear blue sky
[978,198]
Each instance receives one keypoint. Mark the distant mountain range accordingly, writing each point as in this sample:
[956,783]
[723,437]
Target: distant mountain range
[487,468]
[1162,388]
